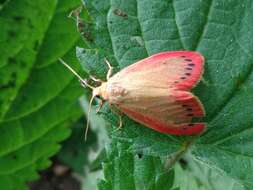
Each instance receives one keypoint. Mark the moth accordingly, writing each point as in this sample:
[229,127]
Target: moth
[155,91]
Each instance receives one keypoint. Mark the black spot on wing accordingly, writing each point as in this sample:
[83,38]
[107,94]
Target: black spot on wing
[190,125]
[188,109]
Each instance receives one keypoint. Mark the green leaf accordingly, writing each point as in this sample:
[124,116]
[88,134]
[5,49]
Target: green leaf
[23,28]
[221,31]
[38,99]
[124,170]
[185,180]
[193,175]
[210,178]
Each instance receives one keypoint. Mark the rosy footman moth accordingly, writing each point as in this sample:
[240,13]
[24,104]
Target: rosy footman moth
[155,91]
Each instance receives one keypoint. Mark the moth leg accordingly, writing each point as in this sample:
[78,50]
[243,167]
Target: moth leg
[101,103]
[120,122]
[119,113]
[96,79]
[109,73]
[76,12]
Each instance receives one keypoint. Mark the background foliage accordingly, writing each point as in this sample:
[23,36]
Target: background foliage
[38,97]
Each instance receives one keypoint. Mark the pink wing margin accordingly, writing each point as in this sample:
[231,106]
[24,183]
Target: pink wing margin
[192,62]
[179,129]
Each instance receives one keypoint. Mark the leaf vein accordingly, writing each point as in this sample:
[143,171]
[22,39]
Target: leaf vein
[141,30]
[205,25]
[176,24]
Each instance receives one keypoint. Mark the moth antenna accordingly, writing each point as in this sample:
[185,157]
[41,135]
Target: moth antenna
[88,118]
[75,73]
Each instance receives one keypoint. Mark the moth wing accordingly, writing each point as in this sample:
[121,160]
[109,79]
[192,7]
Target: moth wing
[157,92]
[174,69]
[171,114]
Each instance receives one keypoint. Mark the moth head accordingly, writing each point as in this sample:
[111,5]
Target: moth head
[100,91]
[97,91]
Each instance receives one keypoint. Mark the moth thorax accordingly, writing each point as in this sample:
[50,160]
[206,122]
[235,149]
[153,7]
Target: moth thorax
[116,93]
